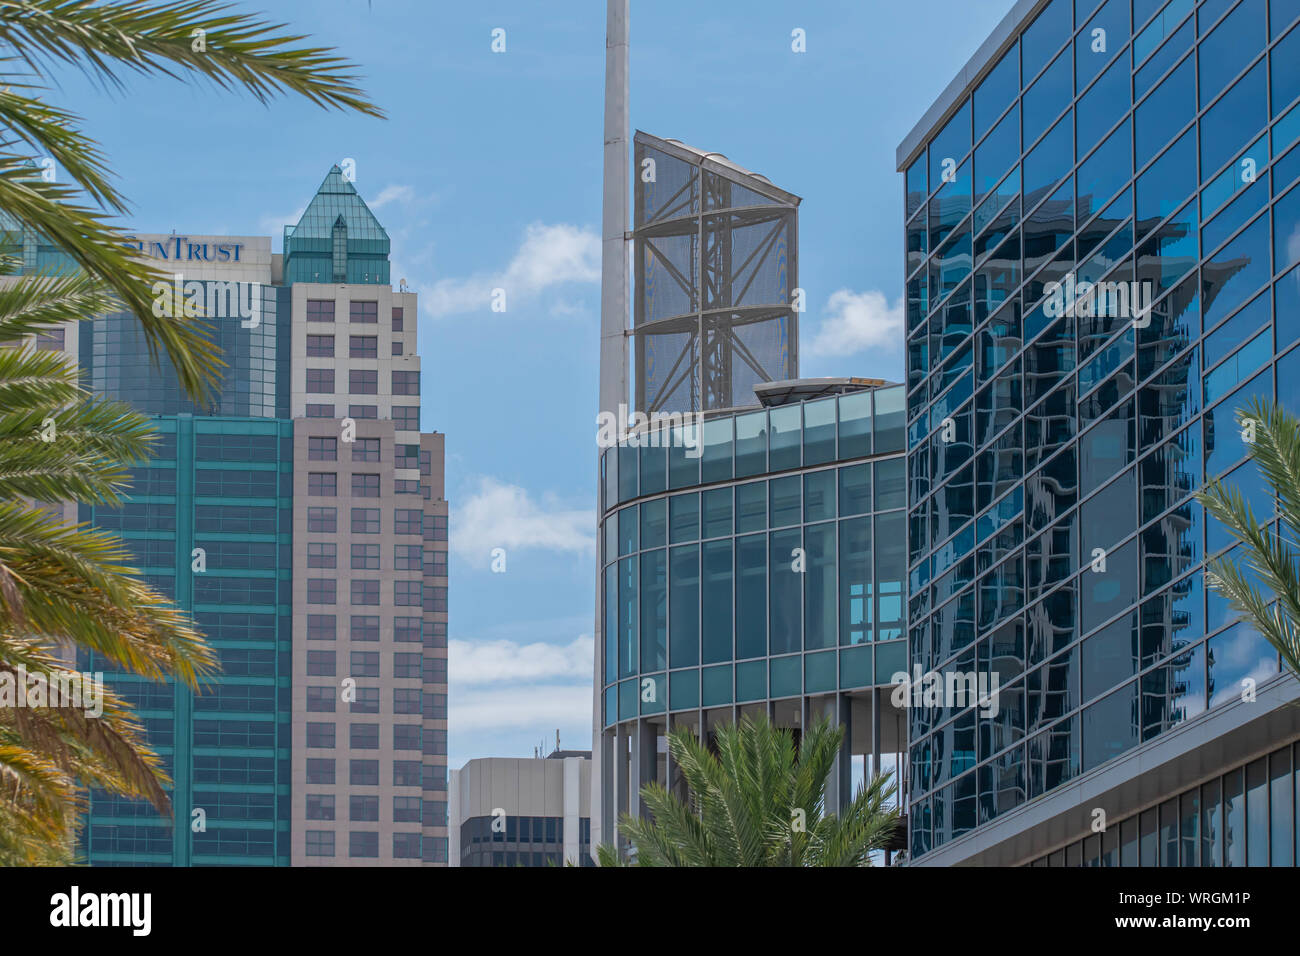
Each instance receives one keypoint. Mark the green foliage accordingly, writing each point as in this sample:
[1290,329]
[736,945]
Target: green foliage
[1262,582]
[758,802]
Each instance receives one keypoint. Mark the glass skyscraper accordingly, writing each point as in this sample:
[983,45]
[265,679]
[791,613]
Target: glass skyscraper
[301,521]
[760,572]
[1057,428]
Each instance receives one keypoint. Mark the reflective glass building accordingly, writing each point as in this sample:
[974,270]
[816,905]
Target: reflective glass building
[760,571]
[1055,435]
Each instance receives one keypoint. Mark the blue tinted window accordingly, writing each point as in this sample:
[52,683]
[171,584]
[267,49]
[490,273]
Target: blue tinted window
[1043,167]
[1165,111]
[1230,46]
[1105,171]
[1286,71]
[1169,181]
[1168,55]
[1101,106]
[997,91]
[1045,36]
[1233,121]
[1286,232]
[1050,94]
[916,184]
[952,143]
[1153,35]
[997,154]
[1281,14]
[1237,271]
[1100,41]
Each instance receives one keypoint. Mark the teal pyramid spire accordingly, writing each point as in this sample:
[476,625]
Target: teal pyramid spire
[338,238]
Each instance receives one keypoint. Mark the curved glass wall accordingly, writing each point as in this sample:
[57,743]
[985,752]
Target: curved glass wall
[769,565]
[1053,453]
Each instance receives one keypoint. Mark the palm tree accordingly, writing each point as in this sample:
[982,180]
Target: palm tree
[106,40]
[1271,606]
[63,584]
[758,802]
[65,588]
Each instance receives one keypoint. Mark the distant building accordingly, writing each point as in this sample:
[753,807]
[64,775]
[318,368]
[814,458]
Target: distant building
[512,811]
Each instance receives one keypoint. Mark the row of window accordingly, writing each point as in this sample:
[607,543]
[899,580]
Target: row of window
[359,310]
[405,593]
[359,346]
[365,557]
[363,845]
[321,736]
[405,417]
[364,808]
[326,448]
[365,773]
[366,664]
[324,627]
[324,520]
[365,700]
[362,381]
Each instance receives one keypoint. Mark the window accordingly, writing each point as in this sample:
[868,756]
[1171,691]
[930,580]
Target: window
[365,627]
[363,845]
[323,483]
[320,310]
[407,630]
[320,411]
[408,557]
[407,521]
[397,347]
[406,736]
[406,486]
[321,590]
[320,381]
[320,770]
[437,709]
[320,663]
[363,809]
[322,554]
[364,736]
[437,631]
[436,743]
[363,311]
[436,599]
[435,670]
[407,809]
[322,520]
[407,593]
[363,346]
[437,561]
[363,411]
[320,700]
[365,521]
[321,842]
[322,449]
[320,806]
[365,486]
[406,773]
[365,557]
[439,528]
[365,663]
[320,735]
[406,664]
[320,627]
[365,449]
[320,346]
[406,700]
[363,773]
[406,383]
[367,701]
[365,593]
[406,418]
[363,381]
[406,456]
[51,340]
[398,318]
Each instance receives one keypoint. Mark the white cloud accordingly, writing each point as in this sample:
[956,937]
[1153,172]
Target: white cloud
[541,706]
[391,194]
[548,256]
[488,662]
[857,321]
[500,515]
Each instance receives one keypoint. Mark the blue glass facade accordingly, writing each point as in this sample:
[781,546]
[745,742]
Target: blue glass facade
[1051,457]
[707,602]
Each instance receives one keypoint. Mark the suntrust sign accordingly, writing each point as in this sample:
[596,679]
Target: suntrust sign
[181,249]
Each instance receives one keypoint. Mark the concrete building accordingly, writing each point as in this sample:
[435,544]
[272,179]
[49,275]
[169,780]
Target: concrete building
[302,521]
[508,811]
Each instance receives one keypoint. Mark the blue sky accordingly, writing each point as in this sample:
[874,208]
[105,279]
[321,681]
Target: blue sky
[488,174]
